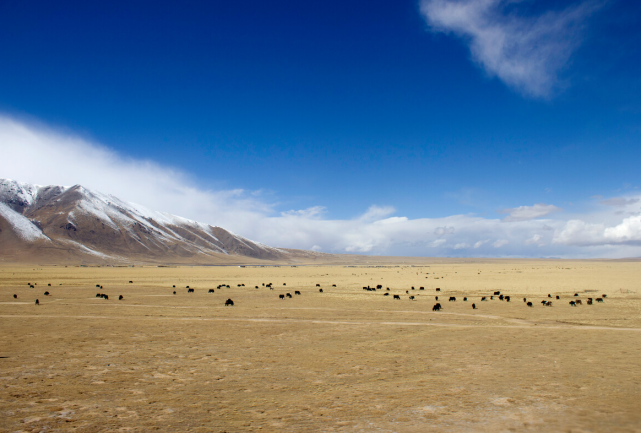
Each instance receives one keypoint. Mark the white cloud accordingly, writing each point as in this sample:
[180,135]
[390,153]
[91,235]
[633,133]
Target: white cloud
[524,213]
[442,231]
[525,52]
[38,155]
[534,240]
[577,232]
[479,244]
[619,201]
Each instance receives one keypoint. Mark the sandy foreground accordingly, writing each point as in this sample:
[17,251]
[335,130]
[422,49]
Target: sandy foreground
[342,360]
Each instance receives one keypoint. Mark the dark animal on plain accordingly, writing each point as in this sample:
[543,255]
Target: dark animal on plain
[229,303]
[174,286]
[320,290]
[15,296]
[49,284]
[296,292]
[548,304]
[529,304]
[105,297]
[386,294]
[558,297]
[465,299]
[491,297]
[97,285]
[549,296]
[407,292]
[421,288]
[576,294]
[484,298]
[37,302]
[572,303]
[589,301]
[473,306]
[120,298]
[507,298]
[387,289]
[524,299]
[436,307]
[599,299]
[333,285]
[270,288]
[263,284]
[380,286]
[46,293]
[438,290]
[604,296]
[32,286]
[497,293]
[98,295]
[284,284]
[281,296]
[397,297]
[452,298]
[186,287]
[543,302]
[190,290]
[436,298]
[317,285]
[174,292]
[28,284]
[210,291]
[412,287]
[238,285]
[131,282]
[501,297]
[289,295]
[255,287]
[411,298]
[578,302]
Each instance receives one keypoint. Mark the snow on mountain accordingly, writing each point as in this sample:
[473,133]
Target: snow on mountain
[103,225]
[21,225]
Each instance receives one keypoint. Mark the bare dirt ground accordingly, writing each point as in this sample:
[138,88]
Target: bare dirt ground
[342,360]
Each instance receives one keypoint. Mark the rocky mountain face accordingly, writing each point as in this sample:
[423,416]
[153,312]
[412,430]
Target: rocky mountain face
[55,223]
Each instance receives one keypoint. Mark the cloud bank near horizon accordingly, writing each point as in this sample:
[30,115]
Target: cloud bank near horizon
[526,52]
[35,154]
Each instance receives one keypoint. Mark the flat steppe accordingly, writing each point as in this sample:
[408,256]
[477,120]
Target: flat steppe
[346,359]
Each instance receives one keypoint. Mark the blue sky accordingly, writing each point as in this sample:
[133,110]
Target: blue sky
[429,109]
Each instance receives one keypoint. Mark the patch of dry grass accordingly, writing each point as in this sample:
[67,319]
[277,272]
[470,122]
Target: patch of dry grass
[342,360]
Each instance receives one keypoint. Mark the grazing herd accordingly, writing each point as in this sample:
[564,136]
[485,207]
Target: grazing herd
[437,307]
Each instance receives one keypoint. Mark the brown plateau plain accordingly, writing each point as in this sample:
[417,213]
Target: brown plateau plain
[345,359]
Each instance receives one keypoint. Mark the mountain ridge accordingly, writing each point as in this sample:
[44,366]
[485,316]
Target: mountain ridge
[61,223]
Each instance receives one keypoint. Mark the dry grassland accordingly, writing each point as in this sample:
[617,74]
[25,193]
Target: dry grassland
[343,360]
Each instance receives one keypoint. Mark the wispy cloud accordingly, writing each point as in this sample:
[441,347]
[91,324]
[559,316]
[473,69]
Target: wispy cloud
[524,213]
[38,155]
[525,51]
[619,201]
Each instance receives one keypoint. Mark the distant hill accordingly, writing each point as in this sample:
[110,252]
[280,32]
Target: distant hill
[57,224]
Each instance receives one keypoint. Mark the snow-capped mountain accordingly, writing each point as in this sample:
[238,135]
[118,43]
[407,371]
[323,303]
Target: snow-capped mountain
[77,222]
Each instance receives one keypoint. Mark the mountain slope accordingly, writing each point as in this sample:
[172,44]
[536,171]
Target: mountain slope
[74,223]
